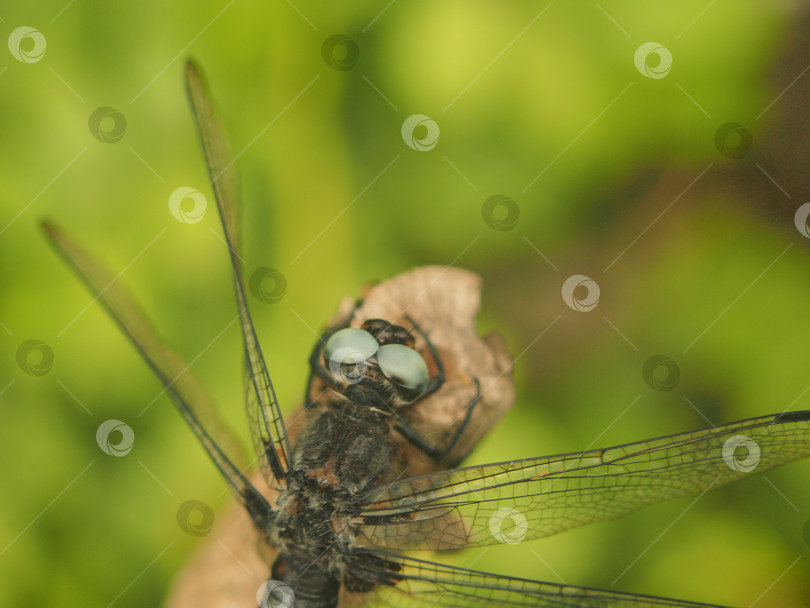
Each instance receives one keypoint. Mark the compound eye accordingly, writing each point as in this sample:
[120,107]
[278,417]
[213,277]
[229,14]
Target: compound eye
[404,366]
[346,352]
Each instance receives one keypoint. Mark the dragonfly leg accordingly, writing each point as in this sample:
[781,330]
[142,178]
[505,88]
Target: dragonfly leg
[437,381]
[434,451]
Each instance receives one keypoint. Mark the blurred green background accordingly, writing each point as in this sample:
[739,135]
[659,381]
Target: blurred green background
[547,109]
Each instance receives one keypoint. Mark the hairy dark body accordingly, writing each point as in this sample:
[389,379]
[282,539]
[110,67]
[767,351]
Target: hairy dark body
[345,451]
[351,445]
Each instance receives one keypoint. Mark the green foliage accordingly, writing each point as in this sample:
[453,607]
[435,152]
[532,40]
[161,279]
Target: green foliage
[539,111]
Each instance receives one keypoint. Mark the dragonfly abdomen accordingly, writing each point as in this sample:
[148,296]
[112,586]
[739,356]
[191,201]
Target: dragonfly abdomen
[340,455]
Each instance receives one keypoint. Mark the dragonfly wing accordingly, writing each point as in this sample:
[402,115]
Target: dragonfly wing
[537,497]
[264,415]
[184,389]
[413,583]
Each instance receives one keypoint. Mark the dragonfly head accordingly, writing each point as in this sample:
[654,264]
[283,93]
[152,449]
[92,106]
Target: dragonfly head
[378,354]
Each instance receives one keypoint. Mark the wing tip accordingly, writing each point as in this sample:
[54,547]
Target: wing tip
[52,232]
[48,226]
[195,77]
[192,67]
[792,416]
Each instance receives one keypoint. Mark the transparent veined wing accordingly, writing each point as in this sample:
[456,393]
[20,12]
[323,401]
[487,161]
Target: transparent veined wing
[413,583]
[264,415]
[186,392]
[538,497]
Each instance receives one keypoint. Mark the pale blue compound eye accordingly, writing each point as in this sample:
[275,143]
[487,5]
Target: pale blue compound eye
[349,346]
[404,366]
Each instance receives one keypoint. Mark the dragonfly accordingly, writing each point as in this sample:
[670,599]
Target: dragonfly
[346,511]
